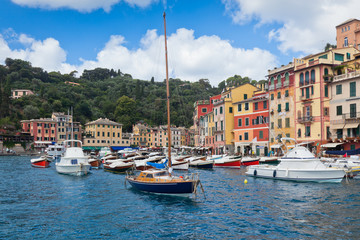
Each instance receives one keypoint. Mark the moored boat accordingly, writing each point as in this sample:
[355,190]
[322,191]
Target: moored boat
[228,162]
[299,164]
[74,162]
[248,161]
[201,162]
[118,166]
[41,162]
[94,162]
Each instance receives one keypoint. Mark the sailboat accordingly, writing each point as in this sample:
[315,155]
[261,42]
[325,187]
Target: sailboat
[162,180]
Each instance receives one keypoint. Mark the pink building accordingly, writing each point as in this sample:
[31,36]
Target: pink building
[18,93]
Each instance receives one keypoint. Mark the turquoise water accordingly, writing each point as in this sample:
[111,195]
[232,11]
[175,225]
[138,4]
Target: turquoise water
[42,204]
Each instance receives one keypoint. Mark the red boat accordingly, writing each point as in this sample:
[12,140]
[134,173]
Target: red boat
[228,162]
[247,161]
[41,162]
[94,162]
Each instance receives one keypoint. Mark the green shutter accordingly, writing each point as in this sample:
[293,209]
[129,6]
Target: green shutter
[353,89]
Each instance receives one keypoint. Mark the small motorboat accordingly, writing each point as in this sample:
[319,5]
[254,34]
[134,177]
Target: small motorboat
[299,164]
[41,162]
[200,162]
[249,160]
[94,162]
[351,165]
[269,160]
[228,162]
[118,166]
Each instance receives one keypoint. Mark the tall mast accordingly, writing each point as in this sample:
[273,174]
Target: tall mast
[167,95]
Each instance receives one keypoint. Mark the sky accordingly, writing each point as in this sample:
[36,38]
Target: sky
[207,39]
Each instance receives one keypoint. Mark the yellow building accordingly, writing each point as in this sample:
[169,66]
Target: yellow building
[282,105]
[243,111]
[312,77]
[142,136]
[103,133]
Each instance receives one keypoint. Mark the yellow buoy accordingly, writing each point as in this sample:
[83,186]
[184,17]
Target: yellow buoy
[245,181]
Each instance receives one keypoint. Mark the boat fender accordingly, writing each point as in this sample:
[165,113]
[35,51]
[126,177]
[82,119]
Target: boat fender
[330,165]
[274,173]
[255,172]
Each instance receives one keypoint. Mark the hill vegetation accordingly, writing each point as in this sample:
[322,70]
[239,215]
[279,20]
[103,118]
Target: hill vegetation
[99,93]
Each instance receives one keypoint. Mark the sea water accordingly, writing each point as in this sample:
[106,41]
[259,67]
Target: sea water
[42,204]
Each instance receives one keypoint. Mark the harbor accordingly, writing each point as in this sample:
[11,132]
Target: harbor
[39,203]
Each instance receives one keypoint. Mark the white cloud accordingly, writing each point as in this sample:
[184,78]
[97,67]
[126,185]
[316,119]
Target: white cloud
[80,5]
[190,58]
[306,25]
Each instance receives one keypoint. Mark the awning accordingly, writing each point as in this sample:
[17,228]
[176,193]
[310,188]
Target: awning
[337,126]
[300,144]
[91,148]
[276,146]
[351,125]
[243,143]
[330,145]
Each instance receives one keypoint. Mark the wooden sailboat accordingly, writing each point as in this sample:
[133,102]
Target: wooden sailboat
[162,180]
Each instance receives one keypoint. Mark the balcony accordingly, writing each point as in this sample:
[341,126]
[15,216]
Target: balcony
[306,98]
[286,83]
[305,119]
[352,115]
[271,87]
[347,76]
[278,85]
[218,131]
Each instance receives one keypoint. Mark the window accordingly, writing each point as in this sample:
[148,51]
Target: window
[239,107]
[287,107]
[306,78]
[230,109]
[346,42]
[222,125]
[307,131]
[265,104]
[326,111]
[221,110]
[301,79]
[353,110]
[348,56]
[287,122]
[326,91]
[338,110]
[240,137]
[339,57]
[279,108]
[312,76]
[245,96]
[287,77]
[324,56]
[261,134]
[338,89]
[299,132]
[239,122]
[272,125]
[280,123]
[246,136]
[215,111]
[246,121]
[246,106]
[272,96]
[353,89]
[272,81]
[279,95]
[286,93]
[256,106]
[203,110]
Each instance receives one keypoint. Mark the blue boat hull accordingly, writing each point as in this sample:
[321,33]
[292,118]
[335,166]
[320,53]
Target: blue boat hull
[165,188]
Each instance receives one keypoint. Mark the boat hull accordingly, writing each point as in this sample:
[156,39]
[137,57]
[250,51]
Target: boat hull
[75,170]
[117,169]
[205,165]
[250,162]
[163,188]
[229,164]
[41,164]
[95,164]
[327,175]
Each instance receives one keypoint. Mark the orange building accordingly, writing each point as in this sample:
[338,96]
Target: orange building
[348,34]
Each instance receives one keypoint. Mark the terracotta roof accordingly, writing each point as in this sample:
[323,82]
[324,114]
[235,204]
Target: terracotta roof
[348,21]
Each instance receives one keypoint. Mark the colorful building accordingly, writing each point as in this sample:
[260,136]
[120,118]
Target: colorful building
[281,105]
[345,107]
[348,34]
[104,133]
[18,93]
[312,99]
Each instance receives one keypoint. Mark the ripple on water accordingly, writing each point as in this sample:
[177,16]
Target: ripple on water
[41,204]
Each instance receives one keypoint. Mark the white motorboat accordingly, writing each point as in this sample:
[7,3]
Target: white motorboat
[55,151]
[351,165]
[299,164]
[74,161]
[103,151]
[228,162]
[200,162]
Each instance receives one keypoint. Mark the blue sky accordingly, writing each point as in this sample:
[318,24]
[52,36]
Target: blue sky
[212,39]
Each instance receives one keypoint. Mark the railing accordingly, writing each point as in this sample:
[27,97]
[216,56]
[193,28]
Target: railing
[347,75]
[352,115]
[305,119]
[278,85]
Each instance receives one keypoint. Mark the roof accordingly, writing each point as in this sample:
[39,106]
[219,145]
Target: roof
[103,121]
[347,21]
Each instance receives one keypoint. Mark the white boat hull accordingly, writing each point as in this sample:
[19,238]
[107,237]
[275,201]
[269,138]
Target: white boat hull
[76,169]
[316,175]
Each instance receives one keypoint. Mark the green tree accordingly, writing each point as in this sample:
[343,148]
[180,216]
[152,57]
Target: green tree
[328,46]
[125,111]
[31,112]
